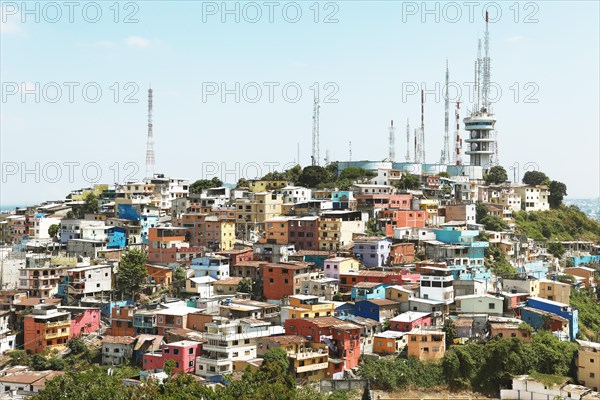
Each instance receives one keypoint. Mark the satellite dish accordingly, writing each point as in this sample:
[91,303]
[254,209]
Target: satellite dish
[474,146]
[473,135]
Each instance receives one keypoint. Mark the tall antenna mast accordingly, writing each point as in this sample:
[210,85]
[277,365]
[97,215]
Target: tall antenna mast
[423,125]
[392,139]
[478,76]
[315,132]
[457,138]
[446,149]
[486,67]
[350,149]
[150,140]
[407,140]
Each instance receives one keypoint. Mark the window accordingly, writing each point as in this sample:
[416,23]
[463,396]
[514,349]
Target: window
[191,350]
[166,350]
[175,351]
[491,306]
[191,364]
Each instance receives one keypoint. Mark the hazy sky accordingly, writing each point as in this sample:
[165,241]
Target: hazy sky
[367,58]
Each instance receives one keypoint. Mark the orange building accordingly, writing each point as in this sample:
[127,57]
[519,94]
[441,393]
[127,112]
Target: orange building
[277,230]
[394,218]
[121,322]
[402,253]
[168,245]
[158,275]
[389,342]
[426,345]
[46,327]
[285,279]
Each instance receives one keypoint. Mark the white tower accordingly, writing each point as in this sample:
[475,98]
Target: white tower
[315,133]
[150,140]
[392,142]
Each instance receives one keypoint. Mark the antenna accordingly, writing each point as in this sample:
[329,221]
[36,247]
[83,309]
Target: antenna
[407,140]
[315,132]
[446,149]
[457,139]
[150,140]
[423,125]
[392,139]
[327,160]
[350,149]
[486,67]
[478,64]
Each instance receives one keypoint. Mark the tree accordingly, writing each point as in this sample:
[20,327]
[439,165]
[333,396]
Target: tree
[179,277]
[338,297]
[494,223]
[409,182]
[131,273]
[313,175]
[169,366]
[496,175]
[481,210]
[91,384]
[245,286]
[535,178]
[53,230]
[357,174]
[89,206]
[556,249]
[293,174]
[558,191]
[450,330]
[242,182]
[443,174]
[203,184]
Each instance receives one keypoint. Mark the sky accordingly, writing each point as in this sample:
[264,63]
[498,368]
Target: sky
[234,84]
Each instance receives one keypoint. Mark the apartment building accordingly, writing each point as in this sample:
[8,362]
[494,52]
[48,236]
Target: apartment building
[286,279]
[335,266]
[533,198]
[426,345]
[305,306]
[46,327]
[303,232]
[308,361]
[588,364]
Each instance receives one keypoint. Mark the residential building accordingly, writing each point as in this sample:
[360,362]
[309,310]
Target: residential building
[479,304]
[335,232]
[324,288]
[26,383]
[389,342]
[373,251]
[121,321]
[554,307]
[426,344]
[227,286]
[400,294]
[341,337]
[461,213]
[303,306]
[230,341]
[217,267]
[586,273]
[554,290]
[264,185]
[285,279]
[183,353]
[377,309]
[210,232]
[46,327]
[335,266]
[117,350]
[303,232]
[410,320]
[308,361]
[533,198]
[390,219]
[402,253]
[436,284]
[85,281]
[368,291]
[510,330]
[169,245]
[588,364]
[159,275]
[277,230]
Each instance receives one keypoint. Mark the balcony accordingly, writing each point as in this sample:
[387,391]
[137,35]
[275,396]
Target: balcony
[311,367]
[62,323]
[57,334]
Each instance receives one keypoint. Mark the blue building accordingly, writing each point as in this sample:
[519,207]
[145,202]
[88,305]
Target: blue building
[344,310]
[368,291]
[377,309]
[373,251]
[147,217]
[554,307]
[117,238]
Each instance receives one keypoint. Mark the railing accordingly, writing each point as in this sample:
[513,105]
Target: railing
[311,367]
[58,323]
[56,334]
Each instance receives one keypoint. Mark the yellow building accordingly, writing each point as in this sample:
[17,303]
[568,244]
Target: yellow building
[588,364]
[335,232]
[97,189]
[334,266]
[426,345]
[304,306]
[399,294]
[309,361]
[227,234]
[258,209]
[259,185]
[555,291]
[431,206]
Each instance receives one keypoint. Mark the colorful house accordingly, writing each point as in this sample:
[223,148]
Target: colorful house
[554,307]
[377,309]
[368,290]
[46,327]
[426,345]
[410,320]
[389,342]
[183,353]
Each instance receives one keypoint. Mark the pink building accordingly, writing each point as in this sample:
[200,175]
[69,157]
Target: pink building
[84,320]
[183,353]
[410,320]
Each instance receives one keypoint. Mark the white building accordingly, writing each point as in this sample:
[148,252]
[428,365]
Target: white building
[296,194]
[7,338]
[200,286]
[217,267]
[117,350]
[333,267]
[40,225]
[91,280]
[436,284]
[167,189]
[533,198]
[230,341]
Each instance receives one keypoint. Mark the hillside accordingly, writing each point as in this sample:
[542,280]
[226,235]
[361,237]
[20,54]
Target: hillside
[564,223]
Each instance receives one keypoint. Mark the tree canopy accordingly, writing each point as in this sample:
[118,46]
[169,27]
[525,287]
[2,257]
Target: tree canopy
[535,178]
[131,273]
[409,182]
[203,184]
[496,175]
[558,191]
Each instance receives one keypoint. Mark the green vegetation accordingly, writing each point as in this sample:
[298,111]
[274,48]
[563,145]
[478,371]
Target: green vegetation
[272,381]
[495,259]
[561,224]
[203,184]
[494,223]
[409,182]
[549,380]
[131,273]
[450,330]
[485,367]
[401,373]
[558,191]
[496,175]
[179,278]
[556,249]
[53,230]
[245,286]
[589,313]
[89,206]
[535,178]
